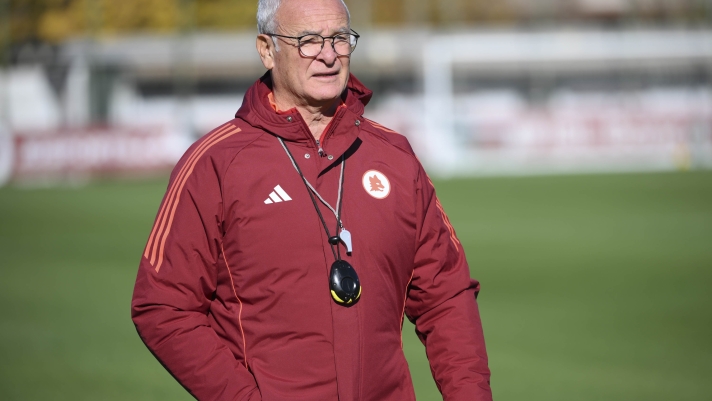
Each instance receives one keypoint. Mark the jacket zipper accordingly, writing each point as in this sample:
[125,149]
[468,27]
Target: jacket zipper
[331,128]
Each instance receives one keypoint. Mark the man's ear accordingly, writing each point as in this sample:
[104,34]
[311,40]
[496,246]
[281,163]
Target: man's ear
[266,50]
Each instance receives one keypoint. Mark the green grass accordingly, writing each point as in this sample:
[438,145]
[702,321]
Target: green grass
[593,288]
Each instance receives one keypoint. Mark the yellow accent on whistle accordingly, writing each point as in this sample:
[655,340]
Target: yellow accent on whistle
[336,297]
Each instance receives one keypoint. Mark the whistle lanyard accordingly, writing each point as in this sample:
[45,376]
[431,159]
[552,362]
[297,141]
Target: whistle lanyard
[344,235]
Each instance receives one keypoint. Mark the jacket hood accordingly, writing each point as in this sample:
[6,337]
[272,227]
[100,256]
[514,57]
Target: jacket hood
[257,111]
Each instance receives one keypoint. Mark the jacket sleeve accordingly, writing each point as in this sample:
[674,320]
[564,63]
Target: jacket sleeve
[176,280]
[442,304]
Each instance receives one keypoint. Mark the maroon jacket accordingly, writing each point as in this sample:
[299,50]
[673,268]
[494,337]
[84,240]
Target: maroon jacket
[232,293]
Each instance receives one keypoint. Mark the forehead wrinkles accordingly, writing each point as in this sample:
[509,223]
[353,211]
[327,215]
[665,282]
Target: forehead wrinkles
[295,19]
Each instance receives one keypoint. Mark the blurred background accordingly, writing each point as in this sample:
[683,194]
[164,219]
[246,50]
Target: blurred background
[570,142]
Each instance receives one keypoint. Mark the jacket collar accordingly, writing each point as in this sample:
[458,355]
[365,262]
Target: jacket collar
[257,111]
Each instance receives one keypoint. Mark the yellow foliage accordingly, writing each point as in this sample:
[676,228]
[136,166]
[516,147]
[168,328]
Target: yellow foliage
[226,14]
[56,26]
[57,20]
[127,16]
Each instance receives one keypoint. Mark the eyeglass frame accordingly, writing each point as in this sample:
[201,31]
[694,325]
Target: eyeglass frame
[323,40]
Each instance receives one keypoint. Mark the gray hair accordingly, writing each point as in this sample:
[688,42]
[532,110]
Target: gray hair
[267,11]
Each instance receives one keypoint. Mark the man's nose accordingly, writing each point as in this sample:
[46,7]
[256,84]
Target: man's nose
[328,53]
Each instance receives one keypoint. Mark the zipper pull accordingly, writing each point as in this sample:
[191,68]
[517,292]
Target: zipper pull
[321,151]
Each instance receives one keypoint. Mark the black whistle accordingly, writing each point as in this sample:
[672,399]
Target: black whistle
[344,283]
[334,240]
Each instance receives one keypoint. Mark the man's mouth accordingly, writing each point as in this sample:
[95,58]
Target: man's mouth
[326,74]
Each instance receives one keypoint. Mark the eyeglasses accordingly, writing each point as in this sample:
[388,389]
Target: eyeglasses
[311,45]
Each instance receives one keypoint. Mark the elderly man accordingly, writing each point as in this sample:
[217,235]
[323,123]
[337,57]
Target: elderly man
[293,239]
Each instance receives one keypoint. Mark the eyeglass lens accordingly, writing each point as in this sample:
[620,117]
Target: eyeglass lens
[311,45]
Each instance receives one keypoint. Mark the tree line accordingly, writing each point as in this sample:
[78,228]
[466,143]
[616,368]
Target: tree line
[56,20]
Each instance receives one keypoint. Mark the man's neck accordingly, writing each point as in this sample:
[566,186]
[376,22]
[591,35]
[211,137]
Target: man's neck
[317,117]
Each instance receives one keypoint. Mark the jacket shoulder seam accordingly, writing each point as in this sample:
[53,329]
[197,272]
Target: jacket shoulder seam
[241,148]
[232,161]
[163,224]
[382,133]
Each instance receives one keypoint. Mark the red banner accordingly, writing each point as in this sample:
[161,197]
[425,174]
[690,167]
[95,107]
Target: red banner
[95,152]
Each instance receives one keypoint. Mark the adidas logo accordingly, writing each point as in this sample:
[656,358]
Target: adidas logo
[278,195]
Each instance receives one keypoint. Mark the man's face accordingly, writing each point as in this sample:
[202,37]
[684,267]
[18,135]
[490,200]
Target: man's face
[315,80]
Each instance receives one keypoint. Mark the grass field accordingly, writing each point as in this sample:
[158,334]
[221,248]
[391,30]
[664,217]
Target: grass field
[594,288]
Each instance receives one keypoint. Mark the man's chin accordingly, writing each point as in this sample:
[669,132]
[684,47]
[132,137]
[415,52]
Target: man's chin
[326,94]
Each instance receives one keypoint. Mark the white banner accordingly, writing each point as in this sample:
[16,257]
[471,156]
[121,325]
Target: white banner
[500,132]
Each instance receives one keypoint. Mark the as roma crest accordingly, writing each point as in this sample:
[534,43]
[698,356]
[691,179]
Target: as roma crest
[376,184]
